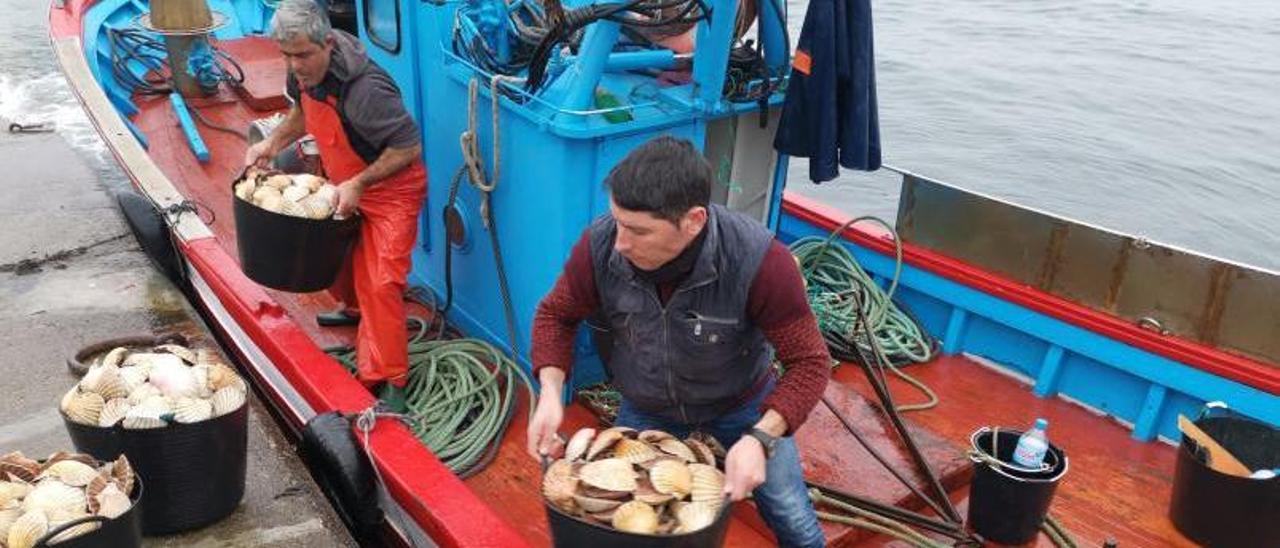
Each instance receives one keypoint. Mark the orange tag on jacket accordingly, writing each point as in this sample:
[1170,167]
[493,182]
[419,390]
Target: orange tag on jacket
[802,62]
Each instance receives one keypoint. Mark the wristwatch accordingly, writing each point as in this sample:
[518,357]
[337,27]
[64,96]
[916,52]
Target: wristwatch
[768,440]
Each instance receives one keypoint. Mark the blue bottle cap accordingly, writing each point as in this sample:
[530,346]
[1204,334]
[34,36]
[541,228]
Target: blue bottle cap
[1042,424]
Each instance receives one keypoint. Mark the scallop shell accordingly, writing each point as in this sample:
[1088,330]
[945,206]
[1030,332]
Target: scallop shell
[671,477]
[696,515]
[222,375]
[635,517]
[104,381]
[295,193]
[143,417]
[122,472]
[227,400]
[710,441]
[84,408]
[646,493]
[272,202]
[579,443]
[309,182]
[633,451]
[708,484]
[63,455]
[595,505]
[178,350]
[293,209]
[12,491]
[112,502]
[27,529]
[245,188]
[150,360]
[16,466]
[559,484]
[52,495]
[173,378]
[603,442]
[317,207]
[133,377]
[678,448]
[654,436]
[143,393]
[609,474]
[114,357]
[7,517]
[70,472]
[328,193]
[704,453]
[278,181]
[189,410]
[113,412]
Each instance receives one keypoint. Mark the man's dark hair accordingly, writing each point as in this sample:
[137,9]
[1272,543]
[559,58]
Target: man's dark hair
[665,176]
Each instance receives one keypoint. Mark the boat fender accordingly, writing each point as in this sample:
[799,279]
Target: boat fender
[152,233]
[343,472]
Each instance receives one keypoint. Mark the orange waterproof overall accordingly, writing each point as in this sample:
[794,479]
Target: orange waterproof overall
[374,280]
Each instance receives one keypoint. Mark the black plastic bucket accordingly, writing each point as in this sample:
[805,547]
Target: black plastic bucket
[1007,504]
[568,531]
[122,531]
[194,472]
[291,253]
[1217,509]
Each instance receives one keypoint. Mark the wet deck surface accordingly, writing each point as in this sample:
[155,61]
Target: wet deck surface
[71,274]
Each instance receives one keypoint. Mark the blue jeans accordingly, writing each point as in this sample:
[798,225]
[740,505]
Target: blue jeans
[783,499]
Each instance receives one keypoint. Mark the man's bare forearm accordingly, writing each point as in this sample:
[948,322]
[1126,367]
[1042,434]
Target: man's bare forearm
[290,129]
[391,161]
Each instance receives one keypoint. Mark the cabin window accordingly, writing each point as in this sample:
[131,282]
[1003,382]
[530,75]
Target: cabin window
[382,23]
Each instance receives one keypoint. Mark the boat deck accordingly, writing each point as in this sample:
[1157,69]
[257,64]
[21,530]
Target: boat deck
[1117,487]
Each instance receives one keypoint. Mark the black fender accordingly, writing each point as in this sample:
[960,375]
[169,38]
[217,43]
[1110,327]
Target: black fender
[152,233]
[344,474]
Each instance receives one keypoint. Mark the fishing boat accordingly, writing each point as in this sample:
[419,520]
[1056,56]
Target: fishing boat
[1109,336]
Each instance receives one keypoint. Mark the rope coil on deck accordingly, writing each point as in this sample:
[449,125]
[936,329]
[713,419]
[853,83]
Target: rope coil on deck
[839,289]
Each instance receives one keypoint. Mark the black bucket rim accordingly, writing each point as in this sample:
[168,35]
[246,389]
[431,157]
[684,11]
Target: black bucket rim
[133,513]
[722,519]
[974,448]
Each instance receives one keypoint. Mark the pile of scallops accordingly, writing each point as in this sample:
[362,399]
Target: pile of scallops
[648,482]
[153,388]
[36,496]
[300,195]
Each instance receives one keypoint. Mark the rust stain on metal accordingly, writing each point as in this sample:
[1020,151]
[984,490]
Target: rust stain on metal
[1053,257]
[1220,278]
[1118,270]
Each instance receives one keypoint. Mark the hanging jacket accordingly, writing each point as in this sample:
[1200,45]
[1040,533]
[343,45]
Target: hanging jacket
[830,111]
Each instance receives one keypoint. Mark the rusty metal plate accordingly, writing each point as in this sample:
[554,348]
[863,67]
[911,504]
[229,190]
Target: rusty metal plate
[1194,296]
[1250,321]
[974,229]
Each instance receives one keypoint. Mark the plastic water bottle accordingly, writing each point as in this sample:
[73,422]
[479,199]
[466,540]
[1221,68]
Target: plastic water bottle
[1032,446]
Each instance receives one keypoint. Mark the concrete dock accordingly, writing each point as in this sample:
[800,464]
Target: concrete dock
[71,274]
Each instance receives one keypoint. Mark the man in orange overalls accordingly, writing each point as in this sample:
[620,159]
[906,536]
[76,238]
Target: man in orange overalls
[369,147]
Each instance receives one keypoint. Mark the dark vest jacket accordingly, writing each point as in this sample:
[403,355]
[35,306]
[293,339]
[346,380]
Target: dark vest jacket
[695,358]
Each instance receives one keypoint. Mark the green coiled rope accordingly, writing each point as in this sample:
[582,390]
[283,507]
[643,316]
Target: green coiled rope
[460,396]
[837,287]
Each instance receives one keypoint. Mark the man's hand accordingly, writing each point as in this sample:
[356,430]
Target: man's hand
[349,193]
[260,154]
[744,468]
[542,436]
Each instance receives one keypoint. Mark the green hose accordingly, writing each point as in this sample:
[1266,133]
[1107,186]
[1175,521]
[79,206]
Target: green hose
[837,286]
[460,395]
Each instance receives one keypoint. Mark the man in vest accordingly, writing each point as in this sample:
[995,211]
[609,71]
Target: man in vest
[690,296]
[370,148]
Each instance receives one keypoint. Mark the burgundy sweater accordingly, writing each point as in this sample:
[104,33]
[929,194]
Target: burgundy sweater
[776,303]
